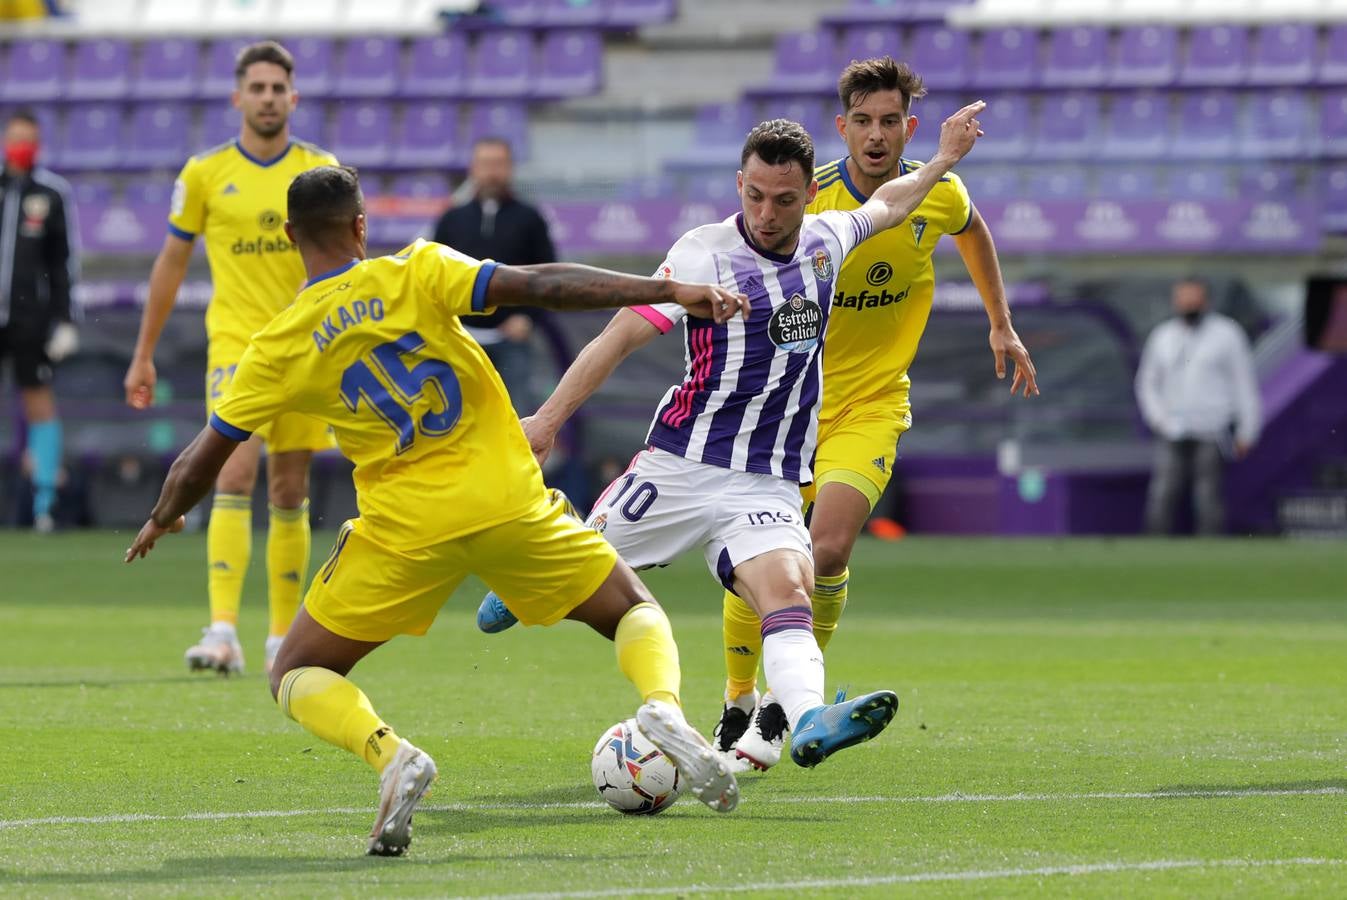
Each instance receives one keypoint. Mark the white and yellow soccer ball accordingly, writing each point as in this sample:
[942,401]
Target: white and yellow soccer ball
[632,774]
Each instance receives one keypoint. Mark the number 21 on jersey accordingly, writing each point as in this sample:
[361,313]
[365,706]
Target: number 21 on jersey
[387,386]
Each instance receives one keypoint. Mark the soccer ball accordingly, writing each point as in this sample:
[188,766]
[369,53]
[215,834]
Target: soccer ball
[632,774]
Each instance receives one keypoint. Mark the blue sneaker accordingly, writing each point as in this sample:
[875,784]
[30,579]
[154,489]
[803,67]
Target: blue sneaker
[492,616]
[824,730]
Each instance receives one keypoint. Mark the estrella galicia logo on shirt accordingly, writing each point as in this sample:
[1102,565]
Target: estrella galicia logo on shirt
[795,325]
[823,265]
[918,228]
[879,273]
[269,220]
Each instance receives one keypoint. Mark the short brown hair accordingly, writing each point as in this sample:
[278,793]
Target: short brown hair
[882,73]
[780,141]
[263,52]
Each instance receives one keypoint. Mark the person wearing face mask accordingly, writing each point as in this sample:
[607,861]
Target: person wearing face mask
[38,265]
[495,224]
[1198,392]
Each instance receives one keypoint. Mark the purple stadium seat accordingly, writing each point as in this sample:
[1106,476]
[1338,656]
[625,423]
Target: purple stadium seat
[167,69]
[1333,123]
[99,71]
[368,68]
[503,65]
[631,13]
[34,70]
[94,191]
[660,187]
[1200,183]
[719,130]
[160,135]
[1333,69]
[940,55]
[714,186]
[863,11]
[1068,126]
[1138,127]
[422,186]
[1008,122]
[805,61]
[217,81]
[867,41]
[1077,57]
[93,137]
[314,65]
[1148,56]
[1206,126]
[429,137]
[572,13]
[991,182]
[1129,182]
[1006,58]
[515,13]
[1217,56]
[1269,183]
[930,111]
[219,123]
[571,64]
[1283,54]
[437,67]
[363,134]
[1277,125]
[154,192]
[502,119]
[1333,196]
[1056,183]
[811,112]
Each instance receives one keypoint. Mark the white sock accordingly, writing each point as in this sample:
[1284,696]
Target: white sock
[746,702]
[793,664]
[225,630]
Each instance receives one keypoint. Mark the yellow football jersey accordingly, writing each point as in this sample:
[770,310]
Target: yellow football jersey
[884,289]
[238,203]
[376,350]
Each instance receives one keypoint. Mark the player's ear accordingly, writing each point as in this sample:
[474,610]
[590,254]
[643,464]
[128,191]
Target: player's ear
[289,232]
[841,123]
[359,228]
[810,194]
[739,182]
[911,126]
[234,96]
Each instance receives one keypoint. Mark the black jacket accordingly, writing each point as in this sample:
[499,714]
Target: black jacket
[37,264]
[517,237]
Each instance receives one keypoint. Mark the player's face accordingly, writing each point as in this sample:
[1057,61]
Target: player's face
[774,198]
[265,96]
[876,129]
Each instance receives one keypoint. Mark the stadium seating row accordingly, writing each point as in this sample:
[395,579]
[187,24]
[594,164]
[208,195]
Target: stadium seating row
[500,63]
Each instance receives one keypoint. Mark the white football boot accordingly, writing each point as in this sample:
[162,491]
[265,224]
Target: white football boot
[401,786]
[703,769]
[273,647]
[760,747]
[734,722]
[217,651]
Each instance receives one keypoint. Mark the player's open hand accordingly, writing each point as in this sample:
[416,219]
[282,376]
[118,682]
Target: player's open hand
[711,301]
[960,131]
[541,437]
[150,533]
[1005,342]
[139,383]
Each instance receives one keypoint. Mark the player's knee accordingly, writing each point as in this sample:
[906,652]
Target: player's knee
[287,493]
[274,680]
[831,555]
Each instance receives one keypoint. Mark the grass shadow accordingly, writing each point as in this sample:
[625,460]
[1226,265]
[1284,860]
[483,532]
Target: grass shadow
[1325,784]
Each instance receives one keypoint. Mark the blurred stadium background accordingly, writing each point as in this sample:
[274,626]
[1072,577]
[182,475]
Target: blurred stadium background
[1129,142]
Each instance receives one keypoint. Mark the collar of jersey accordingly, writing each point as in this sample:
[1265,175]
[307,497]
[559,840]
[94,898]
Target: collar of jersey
[331,273]
[264,163]
[850,185]
[766,254]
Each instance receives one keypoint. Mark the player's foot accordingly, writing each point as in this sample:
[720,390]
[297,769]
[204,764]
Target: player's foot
[274,642]
[731,727]
[702,769]
[43,523]
[824,730]
[492,616]
[401,786]
[217,651]
[760,747]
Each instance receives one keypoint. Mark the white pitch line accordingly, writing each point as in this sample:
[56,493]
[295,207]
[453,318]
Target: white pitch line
[1158,865]
[588,804]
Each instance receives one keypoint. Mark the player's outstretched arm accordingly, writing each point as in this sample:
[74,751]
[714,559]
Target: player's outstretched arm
[189,480]
[979,257]
[170,268]
[896,200]
[571,286]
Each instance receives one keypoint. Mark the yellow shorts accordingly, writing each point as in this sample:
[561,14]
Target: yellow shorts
[857,446]
[287,432]
[542,564]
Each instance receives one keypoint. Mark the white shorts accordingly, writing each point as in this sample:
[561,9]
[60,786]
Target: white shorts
[664,505]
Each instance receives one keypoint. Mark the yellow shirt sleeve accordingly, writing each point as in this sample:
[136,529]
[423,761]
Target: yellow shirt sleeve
[960,209]
[187,212]
[454,280]
[255,397]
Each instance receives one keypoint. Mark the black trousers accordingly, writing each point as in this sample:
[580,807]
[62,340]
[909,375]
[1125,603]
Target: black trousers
[1177,465]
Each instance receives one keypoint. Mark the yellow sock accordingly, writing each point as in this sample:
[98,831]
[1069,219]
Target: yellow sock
[830,598]
[647,654]
[229,545]
[743,646]
[288,542]
[337,711]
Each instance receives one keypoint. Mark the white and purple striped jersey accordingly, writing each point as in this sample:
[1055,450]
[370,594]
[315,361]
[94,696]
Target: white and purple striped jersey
[750,396]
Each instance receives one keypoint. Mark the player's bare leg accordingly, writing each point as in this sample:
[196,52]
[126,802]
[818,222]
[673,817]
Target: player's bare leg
[839,514]
[308,682]
[288,542]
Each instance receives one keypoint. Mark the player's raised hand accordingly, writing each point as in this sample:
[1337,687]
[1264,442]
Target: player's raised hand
[960,131]
[1005,342]
[139,383]
[150,533]
[541,438]
[711,301]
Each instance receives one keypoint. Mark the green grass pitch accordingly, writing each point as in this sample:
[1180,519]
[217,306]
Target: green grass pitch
[1083,718]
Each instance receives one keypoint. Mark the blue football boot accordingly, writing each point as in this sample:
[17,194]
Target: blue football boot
[492,616]
[824,730]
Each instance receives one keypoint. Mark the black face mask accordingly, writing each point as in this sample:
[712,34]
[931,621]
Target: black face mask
[1193,317]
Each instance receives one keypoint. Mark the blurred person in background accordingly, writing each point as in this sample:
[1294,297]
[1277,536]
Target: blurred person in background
[1198,392]
[495,224]
[38,266]
[235,196]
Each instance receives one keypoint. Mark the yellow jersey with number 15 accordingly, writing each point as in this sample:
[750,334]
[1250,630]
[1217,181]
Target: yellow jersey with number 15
[237,202]
[884,290]
[376,350]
